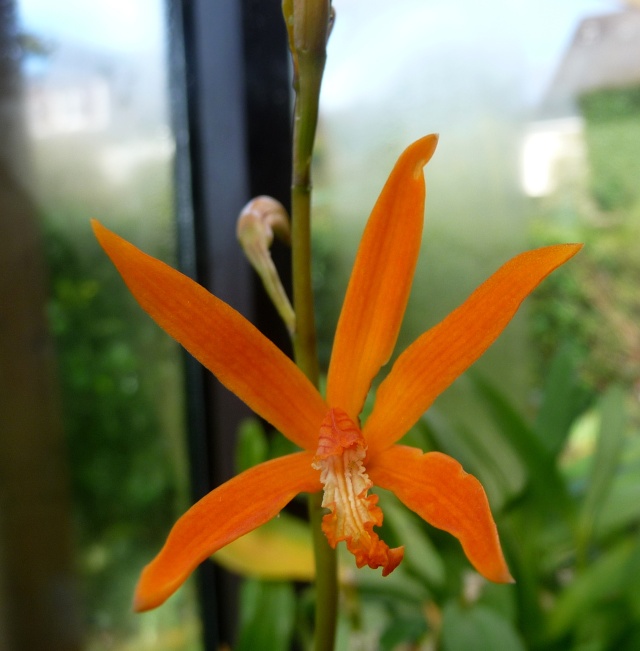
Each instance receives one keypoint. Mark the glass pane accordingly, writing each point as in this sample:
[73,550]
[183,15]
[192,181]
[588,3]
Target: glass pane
[537,104]
[482,75]
[92,138]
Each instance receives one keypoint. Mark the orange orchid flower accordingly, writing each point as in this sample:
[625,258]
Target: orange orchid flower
[339,455]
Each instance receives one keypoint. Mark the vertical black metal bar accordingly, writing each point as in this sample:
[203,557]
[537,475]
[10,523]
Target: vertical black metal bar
[199,443]
[230,100]
[215,75]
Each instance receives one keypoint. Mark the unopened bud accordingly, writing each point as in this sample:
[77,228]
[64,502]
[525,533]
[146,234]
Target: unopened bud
[261,219]
[309,24]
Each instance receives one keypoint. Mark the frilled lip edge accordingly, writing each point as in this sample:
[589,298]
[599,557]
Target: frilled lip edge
[352,511]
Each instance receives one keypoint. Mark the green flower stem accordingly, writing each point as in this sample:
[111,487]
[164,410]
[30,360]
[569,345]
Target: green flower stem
[326,579]
[305,351]
[304,128]
[304,338]
[309,69]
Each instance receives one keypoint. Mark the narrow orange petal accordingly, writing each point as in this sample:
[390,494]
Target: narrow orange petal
[226,513]
[241,357]
[437,488]
[441,354]
[380,282]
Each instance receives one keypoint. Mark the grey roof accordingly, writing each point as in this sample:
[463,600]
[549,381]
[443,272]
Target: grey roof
[604,53]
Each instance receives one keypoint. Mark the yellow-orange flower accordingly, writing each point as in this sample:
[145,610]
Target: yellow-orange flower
[339,455]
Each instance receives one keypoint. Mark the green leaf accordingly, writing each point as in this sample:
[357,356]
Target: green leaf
[399,586]
[477,628]
[631,641]
[281,549]
[420,555]
[622,506]
[252,447]
[600,582]
[267,615]
[500,599]
[543,475]
[562,401]
[403,630]
[605,459]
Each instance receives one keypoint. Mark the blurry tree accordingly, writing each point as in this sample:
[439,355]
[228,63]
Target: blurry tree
[594,305]
[612,132]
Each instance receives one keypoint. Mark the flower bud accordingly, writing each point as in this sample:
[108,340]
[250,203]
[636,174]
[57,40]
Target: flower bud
[309,24]
[261,219]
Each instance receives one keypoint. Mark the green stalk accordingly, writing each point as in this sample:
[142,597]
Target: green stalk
[304,341]
[308,29]
[304,129]
[326,579]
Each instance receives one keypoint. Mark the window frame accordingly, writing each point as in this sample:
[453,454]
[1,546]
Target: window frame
[230,96]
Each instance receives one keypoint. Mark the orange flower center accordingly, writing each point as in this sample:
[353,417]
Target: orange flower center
[353,513]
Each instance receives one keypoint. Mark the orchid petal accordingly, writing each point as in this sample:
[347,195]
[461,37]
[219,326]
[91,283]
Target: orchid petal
[437,488]
[379,287]
[236,352]
[236,507]
[445,351]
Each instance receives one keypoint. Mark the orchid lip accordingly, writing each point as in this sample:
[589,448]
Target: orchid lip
[352,511]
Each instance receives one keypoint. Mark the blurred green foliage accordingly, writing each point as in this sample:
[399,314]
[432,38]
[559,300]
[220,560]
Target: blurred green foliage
[323,274]
[569,527]
[612,132]
[123,438]
[593,305]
